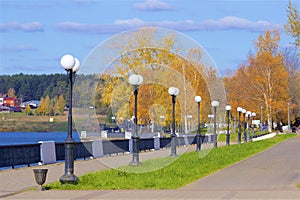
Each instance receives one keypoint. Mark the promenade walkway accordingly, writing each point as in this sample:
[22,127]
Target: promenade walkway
[272,174]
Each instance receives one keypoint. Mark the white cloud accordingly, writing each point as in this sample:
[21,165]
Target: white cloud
[226,23]
[89,28]
[84,1]
[20,48]
[26,27]
[153,5]
[231,22]
[130,22]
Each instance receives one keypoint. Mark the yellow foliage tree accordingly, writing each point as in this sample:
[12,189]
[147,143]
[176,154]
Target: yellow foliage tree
[60,105]
[28,110]
[262,81]
[163,64]
[11,92]
[44,107]
[292,65]
[293,25]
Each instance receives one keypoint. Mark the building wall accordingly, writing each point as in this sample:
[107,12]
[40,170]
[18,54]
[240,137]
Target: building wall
[12,102]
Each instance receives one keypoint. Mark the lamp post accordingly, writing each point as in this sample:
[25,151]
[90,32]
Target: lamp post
[245,125]
[210,116]
[136,81]
[289,119]
[71,65]
[162,117]
[173,91]
[253,116]
[198,137]
[215,104]
[228,108]
[248,113]
[239,109]
[261,123]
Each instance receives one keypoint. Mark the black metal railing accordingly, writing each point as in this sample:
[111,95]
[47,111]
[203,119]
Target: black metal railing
[27,154]
[146,144]
[81,150]
[115,146]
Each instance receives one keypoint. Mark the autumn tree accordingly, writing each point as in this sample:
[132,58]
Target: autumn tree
[60,105]
[293,24]
[263,80]
[11,92]
[292,66]
[161,68]
[39,110]
[28,110]
[44,107]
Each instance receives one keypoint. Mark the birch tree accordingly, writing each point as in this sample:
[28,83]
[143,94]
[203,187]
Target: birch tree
[263,80]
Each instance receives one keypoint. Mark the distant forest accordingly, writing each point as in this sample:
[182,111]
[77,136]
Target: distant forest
[33,87]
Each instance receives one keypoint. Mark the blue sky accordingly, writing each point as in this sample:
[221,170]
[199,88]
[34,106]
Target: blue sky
[36,33]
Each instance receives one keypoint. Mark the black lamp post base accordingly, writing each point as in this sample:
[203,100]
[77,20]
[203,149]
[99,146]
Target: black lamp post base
[135,154]
[198,144]
[215,141]
[245,137]
[135,163]
[173,145]
[69,178]
[173,155]
[227,139]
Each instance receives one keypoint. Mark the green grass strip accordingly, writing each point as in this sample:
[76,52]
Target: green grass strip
[234,136]
[183,170]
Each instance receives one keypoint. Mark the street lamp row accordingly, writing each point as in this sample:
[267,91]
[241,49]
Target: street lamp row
[72,65]
[245,113]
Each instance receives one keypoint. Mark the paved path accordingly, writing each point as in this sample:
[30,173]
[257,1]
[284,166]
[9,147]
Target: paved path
[23,178]
[277,168]
[272,174]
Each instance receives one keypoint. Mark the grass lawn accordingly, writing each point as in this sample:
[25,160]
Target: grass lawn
[234,136]
[20,122]
[185,169]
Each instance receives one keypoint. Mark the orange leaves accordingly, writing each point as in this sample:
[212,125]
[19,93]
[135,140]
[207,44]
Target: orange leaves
[263,80]
[268,42]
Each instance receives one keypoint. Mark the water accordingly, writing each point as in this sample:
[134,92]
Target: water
[12,138]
